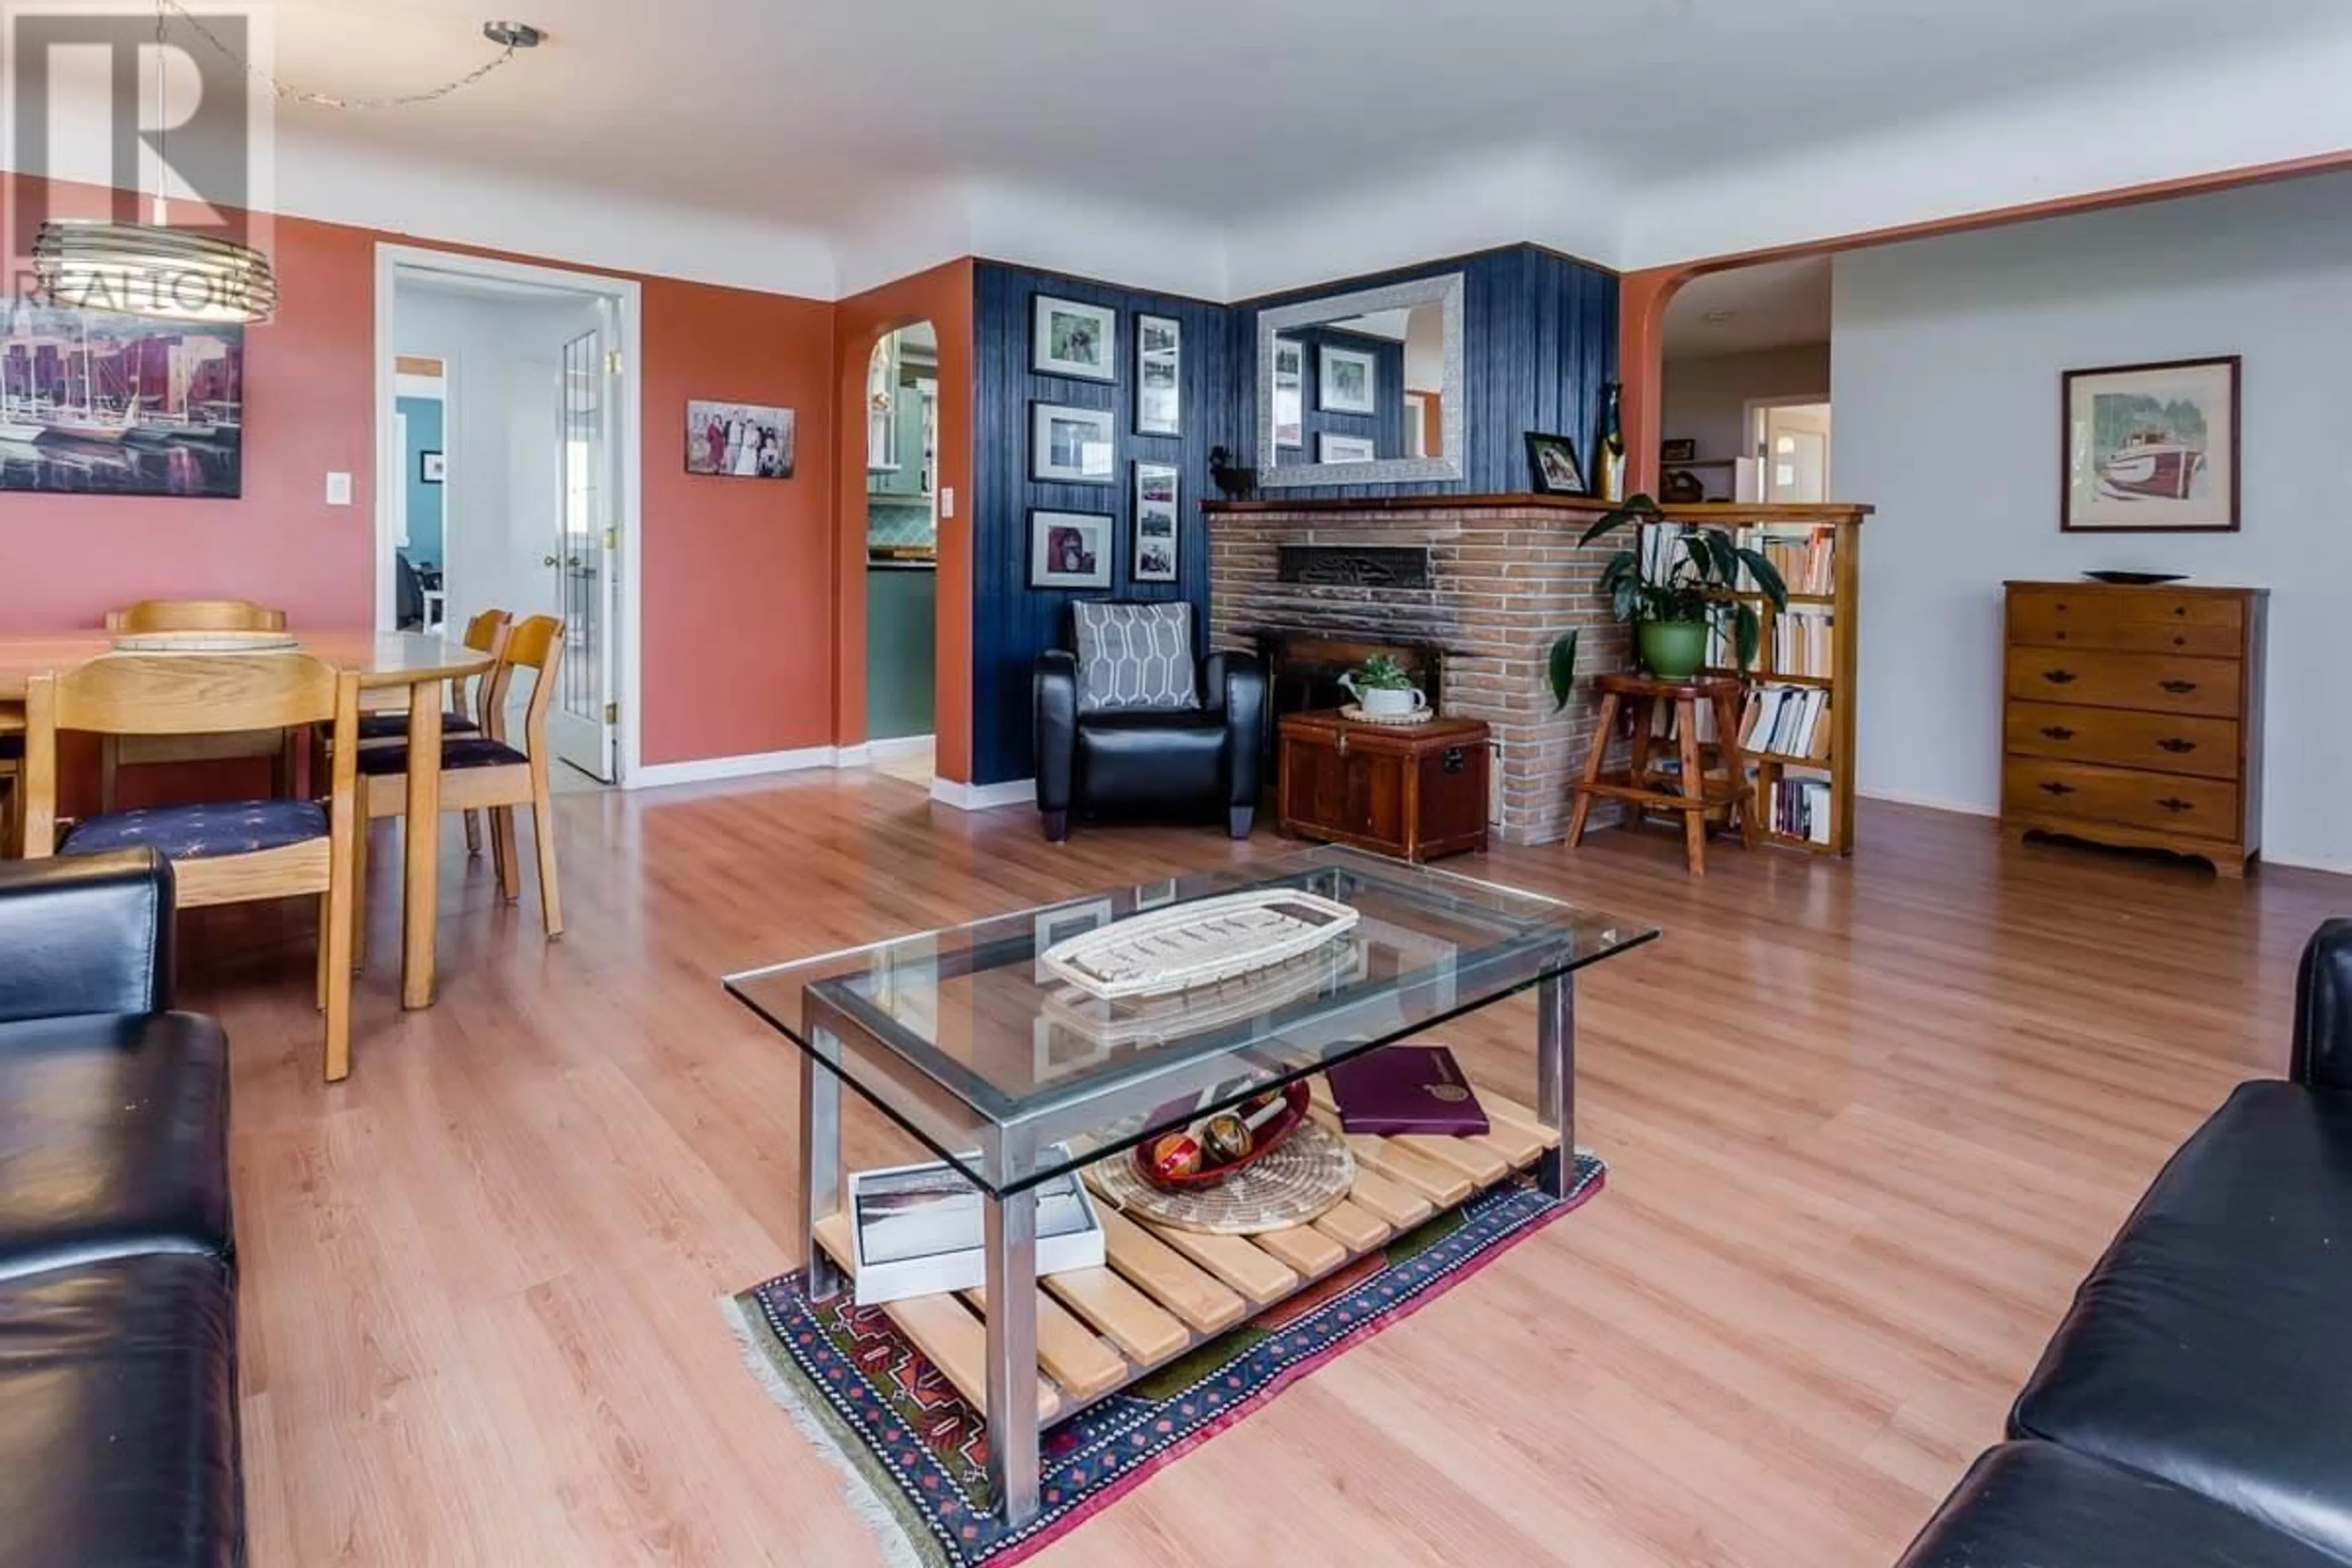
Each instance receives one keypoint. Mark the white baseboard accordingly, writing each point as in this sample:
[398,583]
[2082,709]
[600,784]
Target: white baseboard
[884,751]
[1900,797]
[984,797]
[704,770]
[855,756]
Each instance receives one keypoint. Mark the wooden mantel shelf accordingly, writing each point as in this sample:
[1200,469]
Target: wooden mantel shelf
[1727,514]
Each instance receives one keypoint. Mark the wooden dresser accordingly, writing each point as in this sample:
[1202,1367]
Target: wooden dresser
[2134,717]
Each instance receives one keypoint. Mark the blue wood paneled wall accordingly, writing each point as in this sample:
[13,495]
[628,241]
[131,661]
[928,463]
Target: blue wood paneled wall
[1012,622]
[1541,339]
[1386,427]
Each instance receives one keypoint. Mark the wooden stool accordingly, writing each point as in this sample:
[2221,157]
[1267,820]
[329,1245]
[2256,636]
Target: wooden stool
[1695,794]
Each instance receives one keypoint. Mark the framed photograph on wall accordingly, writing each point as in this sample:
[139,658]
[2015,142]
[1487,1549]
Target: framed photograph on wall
[2151,448]
[1066,338]
[1070,446]
[1069,549]
[1347,381]
[1153,559]
[1335,449]
[1289,393]
[742,440]
[1159,376]
[97,403]
[1552,468]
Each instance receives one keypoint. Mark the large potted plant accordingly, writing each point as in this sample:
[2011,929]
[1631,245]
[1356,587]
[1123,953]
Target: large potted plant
[1674,598]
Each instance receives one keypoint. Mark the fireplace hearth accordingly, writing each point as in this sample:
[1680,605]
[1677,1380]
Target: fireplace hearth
[1353,565]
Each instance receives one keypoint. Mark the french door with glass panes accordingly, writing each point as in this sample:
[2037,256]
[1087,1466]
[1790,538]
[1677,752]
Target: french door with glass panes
[584,717]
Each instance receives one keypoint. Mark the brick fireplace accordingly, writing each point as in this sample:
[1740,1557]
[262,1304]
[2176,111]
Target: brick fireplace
[1491,581]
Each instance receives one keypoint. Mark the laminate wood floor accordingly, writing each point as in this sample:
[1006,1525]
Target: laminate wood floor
[1868,1123]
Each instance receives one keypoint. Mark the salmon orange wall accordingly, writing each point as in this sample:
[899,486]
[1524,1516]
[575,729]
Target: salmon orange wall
[738,573]
[943,297]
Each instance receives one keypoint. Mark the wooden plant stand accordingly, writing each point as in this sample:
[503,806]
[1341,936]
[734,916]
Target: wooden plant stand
[1166,1290]
[1695,794]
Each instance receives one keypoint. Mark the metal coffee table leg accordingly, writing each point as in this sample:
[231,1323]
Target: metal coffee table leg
[1013,1355]
[821,1157]
[1556,1079]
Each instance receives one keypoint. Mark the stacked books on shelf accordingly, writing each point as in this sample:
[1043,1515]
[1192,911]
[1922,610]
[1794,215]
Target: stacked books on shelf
[1806,558]
[1661,550]
[1802,643]
[1801,808]
[1787,722]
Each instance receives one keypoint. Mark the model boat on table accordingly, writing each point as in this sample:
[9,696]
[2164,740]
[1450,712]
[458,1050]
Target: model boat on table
[1198,943]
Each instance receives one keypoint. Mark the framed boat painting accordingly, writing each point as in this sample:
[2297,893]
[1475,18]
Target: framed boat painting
[2152,448]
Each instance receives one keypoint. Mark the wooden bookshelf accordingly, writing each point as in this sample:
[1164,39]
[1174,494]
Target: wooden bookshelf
[1844,526]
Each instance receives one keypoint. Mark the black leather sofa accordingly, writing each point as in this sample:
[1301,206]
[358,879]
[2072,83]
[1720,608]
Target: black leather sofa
[119,1440]
[1154,761]
[2195,1408]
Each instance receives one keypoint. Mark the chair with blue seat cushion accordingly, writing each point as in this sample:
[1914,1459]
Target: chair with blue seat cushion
[151,617]
[486,772]
[221,853]
[484,633]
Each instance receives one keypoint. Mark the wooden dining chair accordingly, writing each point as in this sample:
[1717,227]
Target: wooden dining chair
[12,781]
[148,617]
[486,772]
[486,633]
[221,852]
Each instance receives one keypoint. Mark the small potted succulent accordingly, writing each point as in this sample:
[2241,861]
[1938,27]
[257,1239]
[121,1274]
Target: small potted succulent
[1677,605]
[1382,689]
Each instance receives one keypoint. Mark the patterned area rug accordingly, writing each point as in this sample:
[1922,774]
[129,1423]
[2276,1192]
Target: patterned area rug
[915,1453]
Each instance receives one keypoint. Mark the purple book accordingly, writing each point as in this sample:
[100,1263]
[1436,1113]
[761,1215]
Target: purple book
[1406,1088]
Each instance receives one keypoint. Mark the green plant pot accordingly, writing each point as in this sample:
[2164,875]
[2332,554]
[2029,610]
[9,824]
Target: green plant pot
[1674,650]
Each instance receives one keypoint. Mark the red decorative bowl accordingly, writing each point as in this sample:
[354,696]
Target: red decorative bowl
[1296,1100]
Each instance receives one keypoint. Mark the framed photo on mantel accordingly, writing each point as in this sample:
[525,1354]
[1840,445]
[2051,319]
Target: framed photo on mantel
[2151,448]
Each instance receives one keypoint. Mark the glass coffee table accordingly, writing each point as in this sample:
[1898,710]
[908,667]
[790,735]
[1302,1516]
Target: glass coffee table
[962,1038]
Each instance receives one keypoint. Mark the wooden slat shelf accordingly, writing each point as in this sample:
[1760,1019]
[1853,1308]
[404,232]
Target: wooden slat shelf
[1166,1291]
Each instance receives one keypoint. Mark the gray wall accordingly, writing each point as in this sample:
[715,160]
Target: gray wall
[1948,354]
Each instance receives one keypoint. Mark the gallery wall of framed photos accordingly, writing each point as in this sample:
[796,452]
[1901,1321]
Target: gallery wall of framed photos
[1079,437]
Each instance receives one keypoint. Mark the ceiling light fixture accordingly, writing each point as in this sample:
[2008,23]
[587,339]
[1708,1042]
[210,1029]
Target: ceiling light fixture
[161,273]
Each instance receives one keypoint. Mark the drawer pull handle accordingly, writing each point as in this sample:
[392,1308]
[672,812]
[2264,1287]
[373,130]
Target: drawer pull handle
[2180,642]
[2178,747]
[2174,805]
[2179,688]
[2179,609]
[2054,787]
[2058,732]
[2059,677]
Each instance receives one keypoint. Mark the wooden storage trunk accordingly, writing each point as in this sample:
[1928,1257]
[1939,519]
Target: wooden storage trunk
[1416,791]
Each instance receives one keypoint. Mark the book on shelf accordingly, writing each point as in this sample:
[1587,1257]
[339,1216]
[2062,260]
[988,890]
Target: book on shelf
[1803,808]
[1805,642]
[1804,555]
[1787,722]
[918,1230]
[1665,722]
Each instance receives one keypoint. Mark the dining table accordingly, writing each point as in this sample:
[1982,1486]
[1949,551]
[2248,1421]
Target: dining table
[385,662]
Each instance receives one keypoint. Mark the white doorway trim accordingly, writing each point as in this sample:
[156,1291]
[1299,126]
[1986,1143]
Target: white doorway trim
[391,463]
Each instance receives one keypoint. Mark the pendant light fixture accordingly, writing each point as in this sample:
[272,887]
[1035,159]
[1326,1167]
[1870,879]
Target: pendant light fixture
[162,273]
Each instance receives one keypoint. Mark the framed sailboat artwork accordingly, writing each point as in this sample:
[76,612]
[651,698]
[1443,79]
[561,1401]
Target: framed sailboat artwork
[2152,448]
[94,403]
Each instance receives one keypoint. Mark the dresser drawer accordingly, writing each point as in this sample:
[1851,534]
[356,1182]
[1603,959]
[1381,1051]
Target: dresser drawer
[2132,622]
[2118,737]
[2159,683]
[2204,808]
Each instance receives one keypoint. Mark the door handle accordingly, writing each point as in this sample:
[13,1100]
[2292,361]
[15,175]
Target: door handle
[2059,677]
[2058,732]
[549,561]
[2176,746]
[2174,805]
[2179,688]
[2054,787]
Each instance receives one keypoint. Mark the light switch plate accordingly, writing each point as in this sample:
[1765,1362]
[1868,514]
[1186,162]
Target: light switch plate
[947,500]
[339,490]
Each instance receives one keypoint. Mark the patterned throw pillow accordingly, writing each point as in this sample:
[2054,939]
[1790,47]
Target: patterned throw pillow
[1135,656]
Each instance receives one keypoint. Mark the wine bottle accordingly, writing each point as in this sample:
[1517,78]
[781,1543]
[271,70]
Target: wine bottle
[1612,443]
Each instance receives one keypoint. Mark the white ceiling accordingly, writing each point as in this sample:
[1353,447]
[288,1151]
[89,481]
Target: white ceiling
[826,117]
[1777,304]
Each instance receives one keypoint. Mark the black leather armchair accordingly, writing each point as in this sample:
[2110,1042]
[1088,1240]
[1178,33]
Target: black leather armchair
[1150,759]
[118,1300]
[2194,1409]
